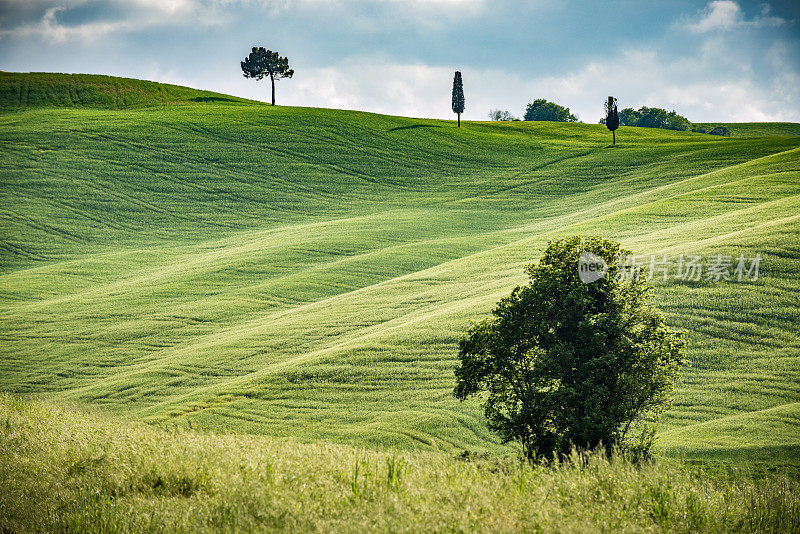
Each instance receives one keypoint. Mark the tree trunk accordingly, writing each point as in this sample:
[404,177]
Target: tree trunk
[614,137]
[272,79]
[459,120]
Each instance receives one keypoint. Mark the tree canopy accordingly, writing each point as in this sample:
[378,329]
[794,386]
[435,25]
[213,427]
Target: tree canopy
[542,110]
[564,363]
[262,63]
[654,118]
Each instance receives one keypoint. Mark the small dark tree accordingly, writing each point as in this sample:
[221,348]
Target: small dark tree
[261,63]
[567,363]
[458,96]
[612,118]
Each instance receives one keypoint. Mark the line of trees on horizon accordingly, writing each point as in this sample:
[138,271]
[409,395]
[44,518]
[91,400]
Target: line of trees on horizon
[262,63]
[647,117]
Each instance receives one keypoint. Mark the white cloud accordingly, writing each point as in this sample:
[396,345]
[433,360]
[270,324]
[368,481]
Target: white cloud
[453,7]
[369,85]
[725,15]
[129,15]
[687,85]
[133,15]
[49,29]
[469,5]
[379,16]
[721,75]
[718,15]
[165,7]
[637,78]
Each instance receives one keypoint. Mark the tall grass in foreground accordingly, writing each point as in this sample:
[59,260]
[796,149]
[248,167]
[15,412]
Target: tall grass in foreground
[62,469]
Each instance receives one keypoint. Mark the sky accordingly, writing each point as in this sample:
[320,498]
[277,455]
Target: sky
[723,60]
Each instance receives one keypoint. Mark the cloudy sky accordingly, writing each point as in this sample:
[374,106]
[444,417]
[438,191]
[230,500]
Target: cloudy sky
[724,60]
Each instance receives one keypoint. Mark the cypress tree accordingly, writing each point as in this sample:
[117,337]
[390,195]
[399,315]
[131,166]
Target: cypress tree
[458,96]
[612,118]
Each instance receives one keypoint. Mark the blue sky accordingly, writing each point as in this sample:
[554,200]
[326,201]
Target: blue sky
[724,60]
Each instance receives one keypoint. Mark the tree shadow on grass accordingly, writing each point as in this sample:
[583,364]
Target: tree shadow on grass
[412,126]
[212,99]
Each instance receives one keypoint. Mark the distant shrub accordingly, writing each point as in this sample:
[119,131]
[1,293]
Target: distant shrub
[542,110]
[654,118]
[501,115]
[716,130]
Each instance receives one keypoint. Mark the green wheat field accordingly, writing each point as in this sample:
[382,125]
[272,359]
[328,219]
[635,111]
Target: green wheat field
[218,314]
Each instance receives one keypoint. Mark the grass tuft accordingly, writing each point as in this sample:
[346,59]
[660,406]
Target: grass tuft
[150,479]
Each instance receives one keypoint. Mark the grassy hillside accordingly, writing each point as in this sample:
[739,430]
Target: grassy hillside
[47,89]
[756,129]
[113,475]
[308,272]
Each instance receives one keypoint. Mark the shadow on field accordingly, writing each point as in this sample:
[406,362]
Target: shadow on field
[411,126]
[212,99]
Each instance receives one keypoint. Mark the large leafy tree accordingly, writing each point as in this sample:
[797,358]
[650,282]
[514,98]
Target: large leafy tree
[458,96]
[262,63]
[542,110]
[565,363]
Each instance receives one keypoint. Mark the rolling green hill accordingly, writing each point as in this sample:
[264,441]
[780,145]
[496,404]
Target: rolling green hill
[46,89]
[756,129]
[307,272]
